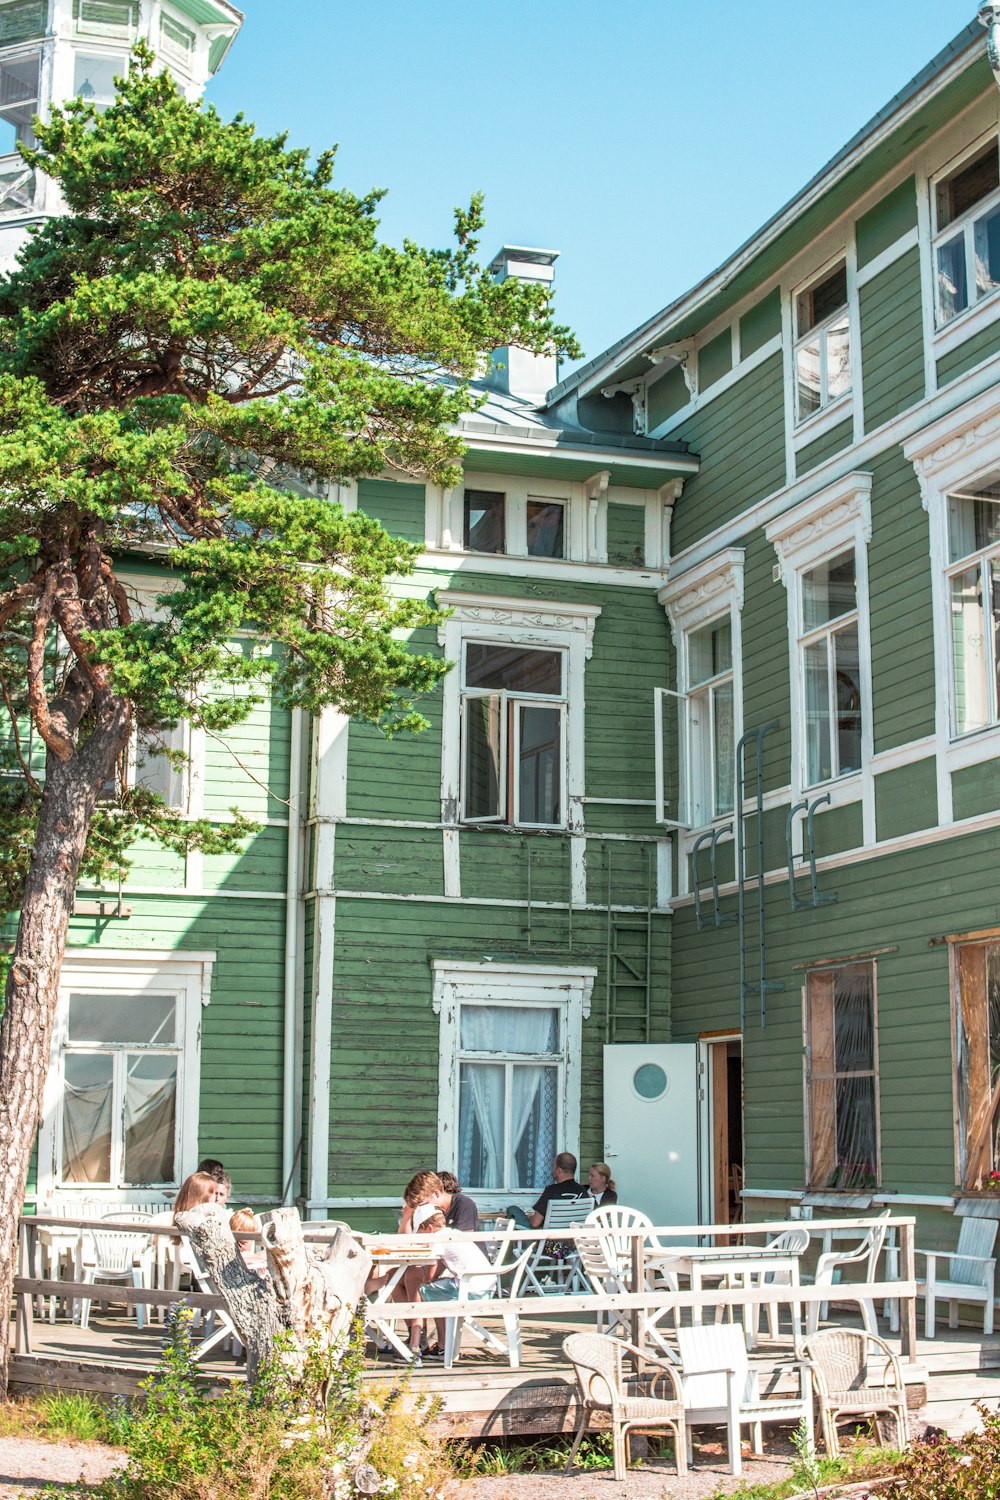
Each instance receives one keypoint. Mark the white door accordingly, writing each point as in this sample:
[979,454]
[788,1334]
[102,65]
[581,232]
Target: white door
[651,1128]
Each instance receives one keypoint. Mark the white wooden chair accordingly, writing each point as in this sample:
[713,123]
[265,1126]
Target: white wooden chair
[855,1374]
[116,1255]
[968,1276]
[648,1400]
[514,1270]
[718,1385]
[865,1253]
[226,1329]
[551,1269]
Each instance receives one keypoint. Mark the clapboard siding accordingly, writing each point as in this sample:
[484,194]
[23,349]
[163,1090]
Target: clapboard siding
[903,689]
[383,1096]
[899,901]
[739,437]
[626,535]
[892,349]
[817,452]
[766,688]
[906,799]
[979,347]
[397,505]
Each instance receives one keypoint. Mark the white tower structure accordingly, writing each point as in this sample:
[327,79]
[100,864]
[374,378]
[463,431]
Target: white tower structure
[55,50]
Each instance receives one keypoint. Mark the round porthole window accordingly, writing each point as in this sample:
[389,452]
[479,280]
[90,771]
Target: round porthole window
[649,1081]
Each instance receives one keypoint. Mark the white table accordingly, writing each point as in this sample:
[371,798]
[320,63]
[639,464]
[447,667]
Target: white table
[396,1257]
[738,1265]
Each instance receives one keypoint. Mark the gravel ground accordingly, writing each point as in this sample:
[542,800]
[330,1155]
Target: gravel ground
[27,1464]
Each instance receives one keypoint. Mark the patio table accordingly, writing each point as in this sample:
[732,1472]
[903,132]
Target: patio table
[736,1264]
[396,1258]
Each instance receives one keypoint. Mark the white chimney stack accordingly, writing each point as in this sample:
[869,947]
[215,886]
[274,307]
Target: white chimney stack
[514,370]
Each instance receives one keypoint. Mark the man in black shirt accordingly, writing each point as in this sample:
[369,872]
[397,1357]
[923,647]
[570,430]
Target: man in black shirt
[564,1186]
[460,1211]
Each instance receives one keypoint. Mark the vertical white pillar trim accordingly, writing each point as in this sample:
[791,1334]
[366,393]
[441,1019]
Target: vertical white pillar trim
[329,804]
[345,494]
[433,515]
[854,326]
[452,860]
[291,1061]
[194,859]
[578,870]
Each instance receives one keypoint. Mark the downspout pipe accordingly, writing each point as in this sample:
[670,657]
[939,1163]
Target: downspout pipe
[291,1092]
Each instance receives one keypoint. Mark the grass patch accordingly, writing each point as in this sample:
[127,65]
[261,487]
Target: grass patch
[62,1416]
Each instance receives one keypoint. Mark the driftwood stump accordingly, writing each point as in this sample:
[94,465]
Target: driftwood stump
[310,1290]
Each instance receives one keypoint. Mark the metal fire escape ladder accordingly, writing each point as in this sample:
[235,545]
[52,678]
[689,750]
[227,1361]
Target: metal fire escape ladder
[816,896]
[628,959]
[711,838]
[762,986]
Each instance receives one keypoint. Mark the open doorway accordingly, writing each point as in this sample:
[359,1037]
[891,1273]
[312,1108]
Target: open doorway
[724,1071]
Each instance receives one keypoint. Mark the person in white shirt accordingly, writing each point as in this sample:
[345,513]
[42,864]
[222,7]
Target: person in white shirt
[458,1258]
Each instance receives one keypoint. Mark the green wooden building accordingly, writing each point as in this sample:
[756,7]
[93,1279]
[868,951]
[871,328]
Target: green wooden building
[694,869]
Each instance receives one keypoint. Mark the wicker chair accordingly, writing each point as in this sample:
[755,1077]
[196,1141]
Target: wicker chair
[631,1400]
[841,1360]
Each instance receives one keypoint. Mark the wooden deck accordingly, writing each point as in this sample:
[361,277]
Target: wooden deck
[481,1396]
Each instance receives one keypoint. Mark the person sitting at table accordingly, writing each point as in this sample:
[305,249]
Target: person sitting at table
[420,1189]
[601,1185]
[458,1258]
[196,1189]
[460,1211]
[564,1185]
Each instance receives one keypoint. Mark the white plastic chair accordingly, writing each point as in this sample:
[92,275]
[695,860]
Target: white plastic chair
[605,1280]
[790,1242]
[719,1385]
[227,1328]
[613,1222]
[867,1250]
[547,1271]
[117,1256]
[969,1276]
[515,1270]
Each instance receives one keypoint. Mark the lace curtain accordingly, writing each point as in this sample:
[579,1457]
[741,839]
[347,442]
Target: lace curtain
[494,1151]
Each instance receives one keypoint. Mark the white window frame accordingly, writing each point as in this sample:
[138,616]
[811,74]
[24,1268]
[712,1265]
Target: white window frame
[705,595]
[835,520]
[512,706]
[445,518]
[186,974]
[567,988]
[956,452]
[965,225]
[541,624]
[812,424]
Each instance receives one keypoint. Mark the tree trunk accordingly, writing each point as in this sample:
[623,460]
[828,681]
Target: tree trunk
[67,806]
[310,1292]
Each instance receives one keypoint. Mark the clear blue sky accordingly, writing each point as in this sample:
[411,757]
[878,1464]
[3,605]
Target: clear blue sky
[644,140]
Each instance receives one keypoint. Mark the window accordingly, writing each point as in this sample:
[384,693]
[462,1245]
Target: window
[509,1094]
[823,562]
[976,994]
[19,88]
[831,668]
[704,606]
[546,528]
[842,1077]
[973,574]
[512,737]
[709,745]
[484,521]
[823,343]
[121,1109]
[106,18]
[967,242]
[513,706]
[94,77]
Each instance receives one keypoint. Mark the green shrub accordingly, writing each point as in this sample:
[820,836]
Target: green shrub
[63,1415]
[279,1441]
[945,1469]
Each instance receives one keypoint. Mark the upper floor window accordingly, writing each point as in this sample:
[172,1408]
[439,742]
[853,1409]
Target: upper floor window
[842,1077]
[830,664]
[487,524]
[822,342]
[823,562]
[20,84]
[94,77]
[967,240]
[709,742]
[513,714]
[704,609]
[974,594]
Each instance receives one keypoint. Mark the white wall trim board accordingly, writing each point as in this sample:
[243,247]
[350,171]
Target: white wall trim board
[717,388]
[178,893]
[499,901]
[555,569]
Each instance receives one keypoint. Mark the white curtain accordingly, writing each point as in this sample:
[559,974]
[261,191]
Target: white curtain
[86,1119]
[506,1031]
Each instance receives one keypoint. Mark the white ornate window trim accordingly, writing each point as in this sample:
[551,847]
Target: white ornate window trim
[709,591]
[831,521]
[566,986]
[189,974]
[959,449]
[492,618]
